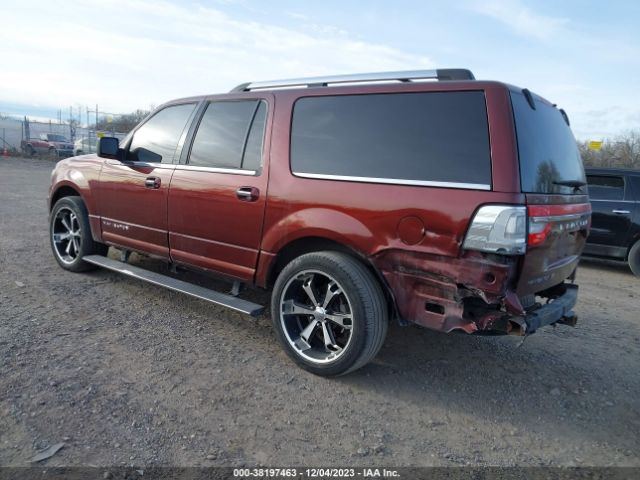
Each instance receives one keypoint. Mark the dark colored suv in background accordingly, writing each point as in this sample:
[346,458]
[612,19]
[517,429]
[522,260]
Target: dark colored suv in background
[615,227]
[427,197]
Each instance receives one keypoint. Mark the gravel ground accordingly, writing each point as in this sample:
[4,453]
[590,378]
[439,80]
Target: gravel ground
[125,373]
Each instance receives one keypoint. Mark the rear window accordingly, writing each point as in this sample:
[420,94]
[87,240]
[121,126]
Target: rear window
[547,148]
[437,138]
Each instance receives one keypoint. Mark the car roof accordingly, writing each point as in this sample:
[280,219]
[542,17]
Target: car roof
[362,89]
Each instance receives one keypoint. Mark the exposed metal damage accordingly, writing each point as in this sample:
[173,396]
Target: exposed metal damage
[472,294]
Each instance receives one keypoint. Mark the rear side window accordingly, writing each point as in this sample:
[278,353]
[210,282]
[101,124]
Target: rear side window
[414,138]
[606,187]
[230,135]
[547,148]
[156,141]
[253,149]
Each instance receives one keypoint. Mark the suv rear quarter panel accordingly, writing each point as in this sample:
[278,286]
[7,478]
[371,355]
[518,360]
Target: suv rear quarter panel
[379,221]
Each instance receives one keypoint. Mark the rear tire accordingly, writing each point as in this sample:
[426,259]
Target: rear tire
[70,235]
[634,258]
[329,312]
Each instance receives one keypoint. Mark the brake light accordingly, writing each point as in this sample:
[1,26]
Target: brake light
[509,229]
[538,231]
[543,219]
[498,229]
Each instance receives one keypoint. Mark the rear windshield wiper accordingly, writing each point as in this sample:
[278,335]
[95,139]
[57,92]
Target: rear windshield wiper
[575,184]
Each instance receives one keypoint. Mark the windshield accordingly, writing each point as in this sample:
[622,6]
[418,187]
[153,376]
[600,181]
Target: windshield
[547,149]
[56,138]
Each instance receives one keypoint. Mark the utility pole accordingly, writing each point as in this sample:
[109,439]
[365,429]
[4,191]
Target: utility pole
[88,130]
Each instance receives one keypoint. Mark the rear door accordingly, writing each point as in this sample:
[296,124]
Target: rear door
[133,193]
[553,179]
[218,193]
[611,218]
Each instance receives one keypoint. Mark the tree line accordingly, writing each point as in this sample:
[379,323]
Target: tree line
[622,151]
[120,123]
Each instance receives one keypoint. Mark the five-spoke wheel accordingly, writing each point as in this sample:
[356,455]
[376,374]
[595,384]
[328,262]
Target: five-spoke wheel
[329,312]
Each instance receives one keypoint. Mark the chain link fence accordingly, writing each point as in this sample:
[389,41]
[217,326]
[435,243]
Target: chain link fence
[15,134]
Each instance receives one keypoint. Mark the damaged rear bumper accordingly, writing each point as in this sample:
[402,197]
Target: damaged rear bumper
[560,310]
[473,294]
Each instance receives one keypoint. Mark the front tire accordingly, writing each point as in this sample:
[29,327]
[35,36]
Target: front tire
[329,313]
[634,258]
[70,235]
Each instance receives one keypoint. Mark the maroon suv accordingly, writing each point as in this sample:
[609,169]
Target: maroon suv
[425,197]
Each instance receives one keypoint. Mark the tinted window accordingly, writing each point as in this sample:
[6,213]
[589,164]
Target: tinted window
[439,136]
[605,187]
[253,151]
[160,134]
[634,195]
[223,132]
[547,149]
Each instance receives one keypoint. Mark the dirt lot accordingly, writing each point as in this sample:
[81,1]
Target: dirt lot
[125,373]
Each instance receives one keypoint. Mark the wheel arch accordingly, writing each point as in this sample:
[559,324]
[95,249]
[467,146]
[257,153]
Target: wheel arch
[64,191]
[635,238]
[309,244]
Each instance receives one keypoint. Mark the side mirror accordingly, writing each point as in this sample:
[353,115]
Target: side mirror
[108,147]
[147,156]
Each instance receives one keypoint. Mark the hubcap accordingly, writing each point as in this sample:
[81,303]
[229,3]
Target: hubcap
[66,235]
[316,316]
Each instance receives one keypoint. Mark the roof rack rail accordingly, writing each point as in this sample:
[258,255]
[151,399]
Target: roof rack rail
[440,74]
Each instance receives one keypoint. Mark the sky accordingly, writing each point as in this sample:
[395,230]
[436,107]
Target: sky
[130,54]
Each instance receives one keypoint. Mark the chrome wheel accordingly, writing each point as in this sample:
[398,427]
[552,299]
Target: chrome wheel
[66,235]
[316,316]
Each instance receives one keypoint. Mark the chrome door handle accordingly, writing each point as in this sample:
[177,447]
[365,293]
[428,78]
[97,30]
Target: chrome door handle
[152,182]
[248,194]
[621,212]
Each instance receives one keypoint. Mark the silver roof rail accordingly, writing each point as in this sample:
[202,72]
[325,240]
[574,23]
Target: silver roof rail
[405,76]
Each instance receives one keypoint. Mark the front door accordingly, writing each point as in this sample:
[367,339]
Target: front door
[132,194]
[217,198]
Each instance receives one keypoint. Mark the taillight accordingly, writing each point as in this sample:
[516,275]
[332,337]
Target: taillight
[538,231]
[509,229]
[498,229]
[543,219]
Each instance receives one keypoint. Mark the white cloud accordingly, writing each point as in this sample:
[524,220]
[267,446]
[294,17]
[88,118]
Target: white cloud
[129,54]
[520,19]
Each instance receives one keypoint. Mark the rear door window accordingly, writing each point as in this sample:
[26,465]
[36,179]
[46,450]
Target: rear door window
[230,136]
[435,138]
[606,187]
[547,148]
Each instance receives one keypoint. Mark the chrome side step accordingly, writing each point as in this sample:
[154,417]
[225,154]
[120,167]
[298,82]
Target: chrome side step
[234,303]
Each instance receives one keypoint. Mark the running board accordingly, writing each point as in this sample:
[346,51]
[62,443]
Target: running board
[234,303]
